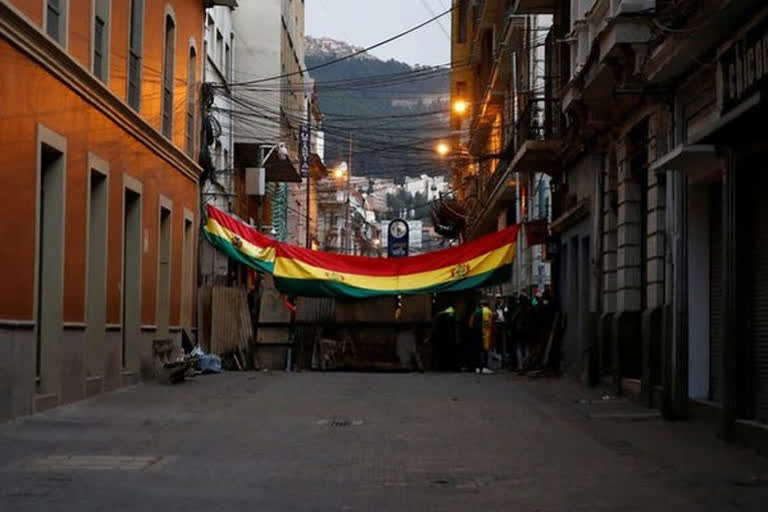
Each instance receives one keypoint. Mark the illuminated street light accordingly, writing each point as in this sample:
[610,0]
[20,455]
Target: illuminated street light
[340,171]
[460,106]
[442,149]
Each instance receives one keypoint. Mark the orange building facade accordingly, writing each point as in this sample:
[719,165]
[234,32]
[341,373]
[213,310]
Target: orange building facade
[99,134]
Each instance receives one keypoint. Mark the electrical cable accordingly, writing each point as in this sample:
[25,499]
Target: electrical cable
[351,55]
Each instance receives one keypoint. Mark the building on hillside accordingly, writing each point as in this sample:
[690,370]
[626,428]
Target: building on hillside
[345,224]
[332,214]
[429,187]
[101,192]
[376,202]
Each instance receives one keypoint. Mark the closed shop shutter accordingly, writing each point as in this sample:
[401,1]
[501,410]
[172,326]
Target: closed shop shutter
[759,302]
[716,296]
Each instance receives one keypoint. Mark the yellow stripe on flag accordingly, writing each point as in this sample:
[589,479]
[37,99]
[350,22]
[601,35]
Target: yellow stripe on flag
[294,269]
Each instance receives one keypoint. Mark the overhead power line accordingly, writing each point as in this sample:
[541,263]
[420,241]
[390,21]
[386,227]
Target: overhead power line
[351,55]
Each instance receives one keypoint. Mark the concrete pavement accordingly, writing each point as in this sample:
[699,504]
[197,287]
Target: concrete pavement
[369,442]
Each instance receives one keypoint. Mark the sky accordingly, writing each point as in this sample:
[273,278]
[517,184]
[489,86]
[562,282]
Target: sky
[366,22]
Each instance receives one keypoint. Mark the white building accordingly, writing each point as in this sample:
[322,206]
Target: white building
[218,57]
[219,62]
[430,187]
[270,98]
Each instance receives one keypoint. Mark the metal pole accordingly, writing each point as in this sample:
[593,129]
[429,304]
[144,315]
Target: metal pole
[308,242]
[262,159]
[349,174]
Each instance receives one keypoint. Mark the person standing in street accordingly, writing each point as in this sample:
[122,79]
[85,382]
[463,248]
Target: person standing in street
[482,328]
[500,328]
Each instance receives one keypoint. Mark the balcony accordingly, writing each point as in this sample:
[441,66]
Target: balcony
[535,6]
[534,147]
[676,51]
[609,44]
[537,136]
[278,169]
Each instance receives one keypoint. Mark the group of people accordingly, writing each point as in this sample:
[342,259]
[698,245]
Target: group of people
[504,333]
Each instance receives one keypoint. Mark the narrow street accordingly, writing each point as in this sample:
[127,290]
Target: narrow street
[346,442]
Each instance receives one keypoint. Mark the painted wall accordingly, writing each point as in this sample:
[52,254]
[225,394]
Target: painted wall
[187,14]
[87,130]
[46,89]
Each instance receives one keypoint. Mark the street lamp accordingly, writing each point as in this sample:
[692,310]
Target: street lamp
[340,171]
[442,149]
[460,106]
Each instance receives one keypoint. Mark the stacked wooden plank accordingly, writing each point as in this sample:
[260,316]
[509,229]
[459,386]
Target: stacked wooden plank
[230,320]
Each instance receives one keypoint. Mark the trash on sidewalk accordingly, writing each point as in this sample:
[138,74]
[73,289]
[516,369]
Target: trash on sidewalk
[210,363]
[168,368]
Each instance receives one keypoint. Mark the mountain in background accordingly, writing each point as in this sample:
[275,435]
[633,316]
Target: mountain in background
[393,111]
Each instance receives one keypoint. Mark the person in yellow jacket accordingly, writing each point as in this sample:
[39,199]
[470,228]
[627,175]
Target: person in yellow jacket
[481,324]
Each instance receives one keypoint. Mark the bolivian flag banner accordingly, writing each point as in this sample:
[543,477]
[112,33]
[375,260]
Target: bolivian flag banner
[239,241]
[304,272]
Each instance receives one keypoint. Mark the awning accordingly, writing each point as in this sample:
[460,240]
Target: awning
[248,154]
[695,160]
[572,216]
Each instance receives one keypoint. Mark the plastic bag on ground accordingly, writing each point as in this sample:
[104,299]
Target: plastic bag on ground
[210,363]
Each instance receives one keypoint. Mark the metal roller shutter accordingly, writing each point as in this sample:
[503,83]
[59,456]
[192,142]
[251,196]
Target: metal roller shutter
[716,296]
[759,305]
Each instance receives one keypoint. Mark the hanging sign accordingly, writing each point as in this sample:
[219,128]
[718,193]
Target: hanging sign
[304,150]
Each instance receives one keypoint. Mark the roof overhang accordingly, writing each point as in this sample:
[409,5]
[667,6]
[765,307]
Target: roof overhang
[537,156]
[535,6]
[571,217]
[232,4]
[277,168]
[699,161]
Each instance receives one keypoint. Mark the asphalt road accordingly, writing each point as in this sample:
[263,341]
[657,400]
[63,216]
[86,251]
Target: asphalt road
[369,442]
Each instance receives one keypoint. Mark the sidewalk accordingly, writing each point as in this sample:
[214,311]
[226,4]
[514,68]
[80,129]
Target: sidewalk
[685,455]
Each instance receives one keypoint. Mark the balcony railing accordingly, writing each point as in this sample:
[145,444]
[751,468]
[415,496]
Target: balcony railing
[541,119]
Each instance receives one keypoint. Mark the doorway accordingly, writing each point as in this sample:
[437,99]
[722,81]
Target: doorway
[187,274]
[131,313]
[96,311]
[50,267]
[164,273]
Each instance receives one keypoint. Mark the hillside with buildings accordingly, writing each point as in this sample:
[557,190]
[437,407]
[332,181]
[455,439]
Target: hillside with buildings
[389,109]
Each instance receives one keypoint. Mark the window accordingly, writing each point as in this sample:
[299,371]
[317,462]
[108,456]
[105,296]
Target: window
[219,50]
[461,89]
[209,30]
[101,39]
[168,62]
[191,89]
[227,62]
[462,21]
[135,53]
[55,19]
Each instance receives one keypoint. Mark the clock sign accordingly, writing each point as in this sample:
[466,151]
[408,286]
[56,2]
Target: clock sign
[397,246]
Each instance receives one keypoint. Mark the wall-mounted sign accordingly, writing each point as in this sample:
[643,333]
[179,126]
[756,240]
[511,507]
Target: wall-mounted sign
[743,66]
[397,239]
[304,150]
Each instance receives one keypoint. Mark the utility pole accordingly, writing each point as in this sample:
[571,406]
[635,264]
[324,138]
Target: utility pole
[308,242]
[349,174]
